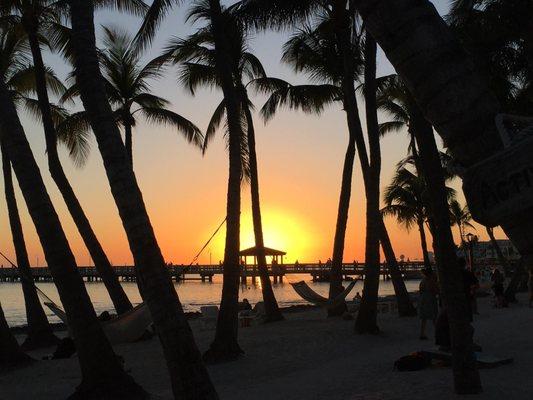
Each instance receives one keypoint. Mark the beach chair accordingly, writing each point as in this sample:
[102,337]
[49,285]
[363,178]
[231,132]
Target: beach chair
[209,316]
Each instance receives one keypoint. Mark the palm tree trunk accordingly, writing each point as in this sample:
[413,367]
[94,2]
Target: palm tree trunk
[128,143]
[188,375]
[102,264]
[466,376]
[405,305]
[423,243]
[225,346]
[501,258]
[335,285]
[366,321]
[101,370]
[343,35]
[11,355]
[272,310]
[39,330]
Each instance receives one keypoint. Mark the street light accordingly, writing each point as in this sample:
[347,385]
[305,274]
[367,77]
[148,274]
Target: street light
[471,239]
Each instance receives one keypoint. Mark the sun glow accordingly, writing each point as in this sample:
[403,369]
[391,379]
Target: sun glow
[282,230]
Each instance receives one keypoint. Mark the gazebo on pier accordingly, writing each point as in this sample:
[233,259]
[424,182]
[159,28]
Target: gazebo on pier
[277,255]
[277,261]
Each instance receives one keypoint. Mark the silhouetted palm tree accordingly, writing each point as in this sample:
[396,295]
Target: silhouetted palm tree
[39,19]
[198,67]
[406,198]
[188,375]
[129,92]
[11,355]
[18,73]
[460,216]
[101,370]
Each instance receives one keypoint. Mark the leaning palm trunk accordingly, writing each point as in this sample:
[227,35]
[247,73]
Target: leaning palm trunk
[188,375]
[11,355]
[335,286]
[450,275]
[39,330]
[501,258]
[405,305]
[272,310]
[423,243]
[366,321]
[100,368]
[225,346]
[355,130]
[101,262]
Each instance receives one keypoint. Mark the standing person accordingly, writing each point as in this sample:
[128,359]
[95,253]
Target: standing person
[428,306]
[530,286]
[497,286]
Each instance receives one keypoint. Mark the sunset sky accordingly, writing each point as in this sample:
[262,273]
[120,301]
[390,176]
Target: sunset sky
[300,164]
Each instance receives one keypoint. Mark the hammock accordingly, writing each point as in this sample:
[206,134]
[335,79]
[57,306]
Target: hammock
[308,294]
[124,328]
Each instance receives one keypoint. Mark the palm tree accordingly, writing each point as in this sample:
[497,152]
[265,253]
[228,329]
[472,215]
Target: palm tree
[11,355]
[39,330]
[225,346]
[460,216]
[18,74]
[101,370]
[128,89]
[197,56]
[38,19]
[312,50]
[465,124]
[404,200]
[188,375]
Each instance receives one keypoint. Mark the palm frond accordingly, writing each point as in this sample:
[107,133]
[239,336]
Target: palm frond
[163,116]
[192,75]
[74,133]
[311,99]
[390,126]
[214,123]
[155,14]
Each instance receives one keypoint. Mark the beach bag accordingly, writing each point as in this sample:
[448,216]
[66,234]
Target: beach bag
[412,362]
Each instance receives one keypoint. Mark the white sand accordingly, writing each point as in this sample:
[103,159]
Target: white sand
[311,357]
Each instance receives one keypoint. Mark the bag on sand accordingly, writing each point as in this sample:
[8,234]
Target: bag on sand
[412,362]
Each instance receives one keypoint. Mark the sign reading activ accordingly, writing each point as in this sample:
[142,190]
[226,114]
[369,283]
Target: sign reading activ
[501,185]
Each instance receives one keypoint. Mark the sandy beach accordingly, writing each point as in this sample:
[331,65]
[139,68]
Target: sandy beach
[311,357]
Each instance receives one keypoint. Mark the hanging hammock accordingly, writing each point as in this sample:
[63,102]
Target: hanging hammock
[127,327]
[308,294]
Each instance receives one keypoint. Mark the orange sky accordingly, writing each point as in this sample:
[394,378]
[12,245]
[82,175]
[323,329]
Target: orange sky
[300,160]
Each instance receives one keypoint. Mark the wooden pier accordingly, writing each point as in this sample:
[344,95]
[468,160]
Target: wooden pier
[205,273]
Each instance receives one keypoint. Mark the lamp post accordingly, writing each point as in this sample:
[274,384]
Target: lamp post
[471,239]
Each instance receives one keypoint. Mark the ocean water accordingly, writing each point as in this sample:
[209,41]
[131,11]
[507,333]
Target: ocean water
[193,294]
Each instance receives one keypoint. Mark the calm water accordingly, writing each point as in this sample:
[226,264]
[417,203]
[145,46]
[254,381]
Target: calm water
[192,294]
